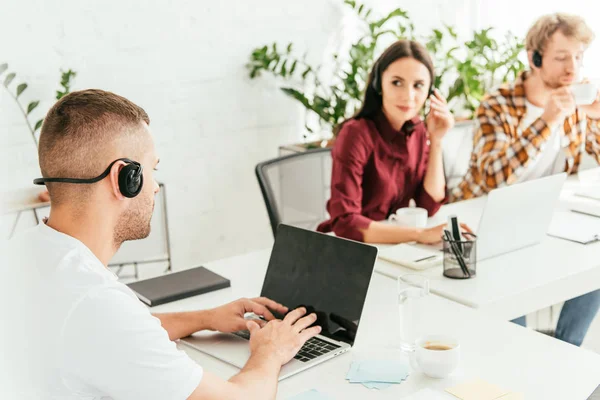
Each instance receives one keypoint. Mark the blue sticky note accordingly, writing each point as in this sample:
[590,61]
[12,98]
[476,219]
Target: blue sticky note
[376,385]
[310,395]
[352,371]
[389,371]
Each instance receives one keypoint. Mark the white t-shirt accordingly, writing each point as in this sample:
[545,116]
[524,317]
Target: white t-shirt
[70,330]
[551,160]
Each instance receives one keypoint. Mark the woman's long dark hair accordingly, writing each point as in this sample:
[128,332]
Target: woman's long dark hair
[372,103]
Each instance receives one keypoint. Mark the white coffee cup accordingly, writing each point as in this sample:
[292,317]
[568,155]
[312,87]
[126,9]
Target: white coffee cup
[584,93]
[414,217]
[437,356]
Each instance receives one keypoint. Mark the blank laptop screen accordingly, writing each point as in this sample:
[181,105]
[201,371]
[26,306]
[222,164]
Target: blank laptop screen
[326,274]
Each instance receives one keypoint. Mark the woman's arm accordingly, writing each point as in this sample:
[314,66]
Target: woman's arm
[435,181]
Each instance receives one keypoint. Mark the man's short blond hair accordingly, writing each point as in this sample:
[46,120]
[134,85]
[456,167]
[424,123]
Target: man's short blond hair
[571,26]
[78,132]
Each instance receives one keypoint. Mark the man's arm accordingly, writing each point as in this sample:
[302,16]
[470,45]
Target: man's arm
[226,318]
[182,324]
[271,347]
[257,380]
[592,138]
[500,157]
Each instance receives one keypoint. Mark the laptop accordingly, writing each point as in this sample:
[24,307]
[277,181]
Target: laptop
[517,216]
[326,274]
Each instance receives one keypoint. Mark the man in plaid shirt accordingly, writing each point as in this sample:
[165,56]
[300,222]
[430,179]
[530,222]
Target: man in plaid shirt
[532,128]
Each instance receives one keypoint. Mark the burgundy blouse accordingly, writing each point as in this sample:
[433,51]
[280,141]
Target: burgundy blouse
[376,170]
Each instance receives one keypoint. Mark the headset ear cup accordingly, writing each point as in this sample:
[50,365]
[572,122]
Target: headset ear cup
[537,59]
[376,85]
[131,180]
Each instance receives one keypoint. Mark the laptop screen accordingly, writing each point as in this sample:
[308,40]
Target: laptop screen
[327,275]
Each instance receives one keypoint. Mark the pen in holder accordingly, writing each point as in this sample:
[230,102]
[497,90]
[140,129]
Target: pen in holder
[460,256]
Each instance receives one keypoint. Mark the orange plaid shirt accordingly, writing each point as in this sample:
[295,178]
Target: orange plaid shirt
[502,151]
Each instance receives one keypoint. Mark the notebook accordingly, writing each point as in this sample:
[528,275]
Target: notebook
[411,256]
[178,285]
[574,226]
[589,192]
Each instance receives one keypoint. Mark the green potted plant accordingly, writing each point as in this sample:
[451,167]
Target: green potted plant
[463,72]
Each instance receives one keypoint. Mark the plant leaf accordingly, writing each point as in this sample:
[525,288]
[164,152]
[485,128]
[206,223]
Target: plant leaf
[21,88]
[3,67]
[293,68]
[9,78]
[32,106]
[38,125]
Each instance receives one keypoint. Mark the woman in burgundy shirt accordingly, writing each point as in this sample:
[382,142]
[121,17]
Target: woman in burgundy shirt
[386,155]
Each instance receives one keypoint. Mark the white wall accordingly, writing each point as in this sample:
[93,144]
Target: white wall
[183,61]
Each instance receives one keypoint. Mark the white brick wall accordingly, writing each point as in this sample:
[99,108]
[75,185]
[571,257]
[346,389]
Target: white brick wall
[183,61]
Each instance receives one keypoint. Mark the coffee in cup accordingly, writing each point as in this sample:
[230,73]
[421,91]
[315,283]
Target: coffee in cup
[437,346]
[437,356]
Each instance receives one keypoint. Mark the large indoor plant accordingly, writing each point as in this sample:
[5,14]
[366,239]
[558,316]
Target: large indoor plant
[464,69]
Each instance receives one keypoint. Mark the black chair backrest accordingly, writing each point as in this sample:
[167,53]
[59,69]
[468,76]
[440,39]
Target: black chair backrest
[304,174]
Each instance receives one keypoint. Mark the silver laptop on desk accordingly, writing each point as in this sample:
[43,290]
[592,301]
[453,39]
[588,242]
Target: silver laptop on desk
[327,275]
[517,216]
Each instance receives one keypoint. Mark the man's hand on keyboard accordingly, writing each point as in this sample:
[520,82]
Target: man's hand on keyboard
[282,338]
[230,317]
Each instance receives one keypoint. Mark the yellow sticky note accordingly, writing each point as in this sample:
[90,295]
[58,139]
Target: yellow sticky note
[512,396]
[477,389]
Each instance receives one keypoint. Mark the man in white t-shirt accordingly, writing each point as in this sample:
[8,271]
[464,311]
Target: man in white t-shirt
[70,329]
[532,128]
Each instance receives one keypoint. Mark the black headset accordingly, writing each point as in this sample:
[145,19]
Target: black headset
[131,179]
[537,59]
[408,126]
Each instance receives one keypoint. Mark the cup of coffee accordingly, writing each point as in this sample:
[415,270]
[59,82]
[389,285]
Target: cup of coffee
[412,217]
[584,93]
[437,356]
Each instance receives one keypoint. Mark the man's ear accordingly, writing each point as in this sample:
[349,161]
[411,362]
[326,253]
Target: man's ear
[113,177]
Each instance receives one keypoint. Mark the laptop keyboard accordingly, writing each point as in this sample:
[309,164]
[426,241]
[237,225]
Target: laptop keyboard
[313,348]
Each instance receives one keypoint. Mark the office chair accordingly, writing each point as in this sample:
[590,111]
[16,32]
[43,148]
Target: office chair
[296,188]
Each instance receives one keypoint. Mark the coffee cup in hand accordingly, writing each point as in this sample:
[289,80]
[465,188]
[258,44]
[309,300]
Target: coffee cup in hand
[437,356]
[584,93]
[412,217]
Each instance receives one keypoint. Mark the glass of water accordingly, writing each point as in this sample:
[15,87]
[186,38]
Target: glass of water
[412,290]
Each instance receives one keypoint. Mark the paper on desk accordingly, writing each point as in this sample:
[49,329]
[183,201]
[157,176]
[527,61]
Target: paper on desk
[387,371]
[376,385]
[411,256]
[428,394]
[575,227]
[477,389]
[512,396]
[310,395]
[592,192]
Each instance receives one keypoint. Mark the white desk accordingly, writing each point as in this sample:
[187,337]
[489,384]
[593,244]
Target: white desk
[500,352]
[519,282]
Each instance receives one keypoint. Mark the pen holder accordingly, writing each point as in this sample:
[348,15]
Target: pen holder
[460,257]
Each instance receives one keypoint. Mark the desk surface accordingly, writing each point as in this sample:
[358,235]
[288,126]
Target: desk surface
[519,282]
[503,353]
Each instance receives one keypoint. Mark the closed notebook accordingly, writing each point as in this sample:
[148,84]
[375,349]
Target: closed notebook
[178,285]
[411,256]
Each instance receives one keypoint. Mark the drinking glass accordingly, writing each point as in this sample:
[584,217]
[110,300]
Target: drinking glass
[412,292]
